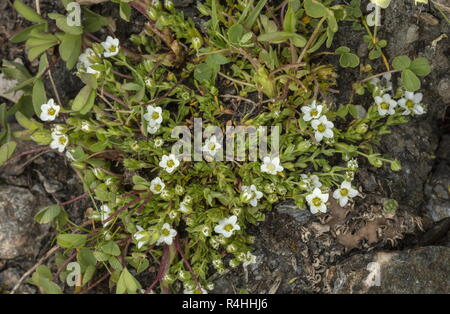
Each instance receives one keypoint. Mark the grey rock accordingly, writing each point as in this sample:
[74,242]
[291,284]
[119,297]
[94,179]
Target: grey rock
[289,208]
[412,34]
[9,277]
[19,233]
[438,193]
[423,270]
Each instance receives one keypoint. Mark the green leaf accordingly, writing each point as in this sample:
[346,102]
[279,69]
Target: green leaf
[71,241]
[28,13]
[289,23]
[127,283]
[88,274]
[6,151]
[420,66]
[275,37]
[111,248]
[47,214]
[61,22]
[125,11]
[93,22]
[24,34]
[82,98]
[348,60]
[70,49]
[26,123]
[253,16]
[410,81]
[315,9]
[235,33]
[401,62]
[39,96]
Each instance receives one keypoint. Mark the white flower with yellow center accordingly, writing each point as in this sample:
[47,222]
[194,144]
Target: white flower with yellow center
[153,116]
[158,142]
[212,146]
[385,104]
[49,111]
[169,163]
[411,103]
[227,226]
[312,111]
[323,128]
[271,166]
[59,141]
[111,46]
[344,193]
[317,201]
[141,236]
[166,235]
[251,195]
[157,186]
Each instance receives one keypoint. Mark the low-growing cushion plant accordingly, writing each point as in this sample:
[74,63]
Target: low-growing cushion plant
[243,63]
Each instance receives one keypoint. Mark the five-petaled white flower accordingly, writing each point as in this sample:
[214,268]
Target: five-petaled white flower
[385,104]
[344,193]
[169,163]
[227,226]
[212,146]
[85,62]
[411,103]
[323,128]
[49,111]
[59,141]
[157,185]
[271,166]
[111,46]
[167,235]
[141,236]
[251,194]
[153,116]
[317,201]
[312,111]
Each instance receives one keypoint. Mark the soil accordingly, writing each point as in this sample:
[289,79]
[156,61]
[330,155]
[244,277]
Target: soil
[296,252]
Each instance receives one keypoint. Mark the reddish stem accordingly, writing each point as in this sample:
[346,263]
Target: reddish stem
[185,261]
[136,200]
[74,199]
[162,269]
[34,150]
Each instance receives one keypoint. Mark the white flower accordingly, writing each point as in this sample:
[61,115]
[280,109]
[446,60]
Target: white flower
[384,84]
[153,116]
[352,164]
[85,126]
[169,163]
[206,231]
[411,103]
[251,194]
[317,200]
[59,141]
[385,104]
[271,166]
[167,235]
[105,213]
[198,290]
[49,111]
[158,142]
[157,185]
[312,181]
[141,236]
[344,193]
[323,128]
[111,46]
[312,111]
[185,207]
[227,226]
[212,146]
[85,62]
[249,259]
[153,129]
